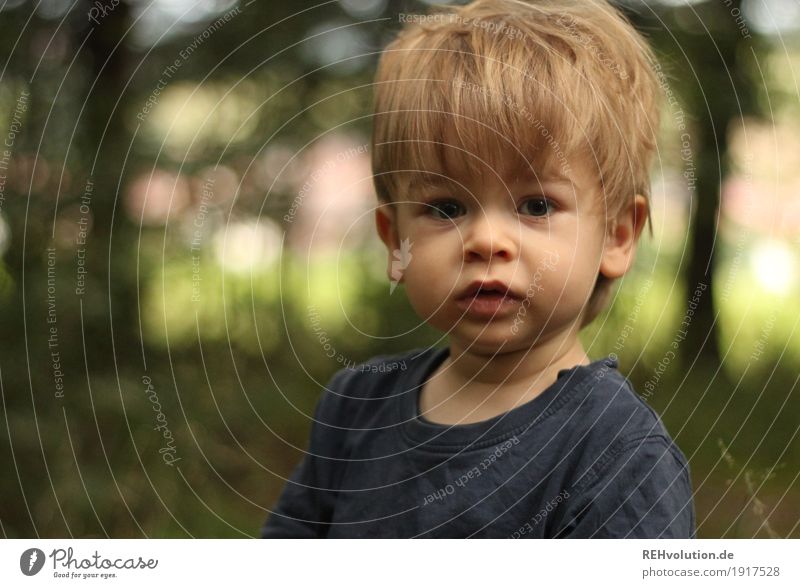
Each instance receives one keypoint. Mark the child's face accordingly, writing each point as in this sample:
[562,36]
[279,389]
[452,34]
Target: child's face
[543,240]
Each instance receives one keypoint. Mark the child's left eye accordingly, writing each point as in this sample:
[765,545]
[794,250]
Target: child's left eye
[536,207]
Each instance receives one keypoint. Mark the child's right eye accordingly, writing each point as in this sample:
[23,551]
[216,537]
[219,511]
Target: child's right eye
[444,209]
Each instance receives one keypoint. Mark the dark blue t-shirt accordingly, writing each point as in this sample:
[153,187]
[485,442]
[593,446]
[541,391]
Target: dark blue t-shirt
[585,458]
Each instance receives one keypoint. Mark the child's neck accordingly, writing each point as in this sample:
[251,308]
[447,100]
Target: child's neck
[470,386]
[512,367]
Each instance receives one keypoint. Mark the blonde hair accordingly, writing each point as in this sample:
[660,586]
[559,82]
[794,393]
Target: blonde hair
[525,80]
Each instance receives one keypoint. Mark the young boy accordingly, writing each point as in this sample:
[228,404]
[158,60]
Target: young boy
[511,153]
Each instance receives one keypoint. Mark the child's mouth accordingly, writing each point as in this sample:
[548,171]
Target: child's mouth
[487,304]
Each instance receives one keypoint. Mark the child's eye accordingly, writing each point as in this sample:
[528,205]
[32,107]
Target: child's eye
[444,209]
[536,207]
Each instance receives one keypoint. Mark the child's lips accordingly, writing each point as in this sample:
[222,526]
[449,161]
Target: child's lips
[488,304]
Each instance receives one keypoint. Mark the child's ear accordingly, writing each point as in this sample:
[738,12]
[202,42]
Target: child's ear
[386,223]
[621,239]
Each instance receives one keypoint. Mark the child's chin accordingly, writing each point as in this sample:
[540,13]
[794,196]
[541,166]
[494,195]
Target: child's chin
[500,341]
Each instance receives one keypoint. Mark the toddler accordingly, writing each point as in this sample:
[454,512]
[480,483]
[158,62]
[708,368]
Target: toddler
[511,149]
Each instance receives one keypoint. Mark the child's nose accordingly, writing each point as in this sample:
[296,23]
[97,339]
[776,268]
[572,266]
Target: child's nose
[490,235]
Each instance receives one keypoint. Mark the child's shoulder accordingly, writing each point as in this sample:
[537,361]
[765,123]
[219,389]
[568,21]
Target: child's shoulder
[611,396]
[610,419]
[380,377]
[380,370]
[616,438]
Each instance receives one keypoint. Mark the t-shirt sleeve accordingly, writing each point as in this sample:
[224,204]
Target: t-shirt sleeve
[642,490]
[304,508]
